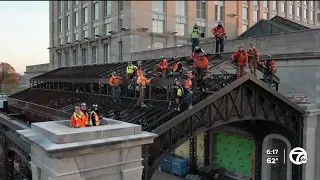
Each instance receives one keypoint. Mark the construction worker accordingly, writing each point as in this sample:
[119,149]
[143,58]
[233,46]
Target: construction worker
[194,36]
[139,71]
[94,115]
[84,115]
[219,34]
[76,118]
[177,68]
[201,64]
[189,87]
[242,60]
[270,69]
[162,67]
[114,82]
[131,69]
[142,81]
[177,93]
[253,56]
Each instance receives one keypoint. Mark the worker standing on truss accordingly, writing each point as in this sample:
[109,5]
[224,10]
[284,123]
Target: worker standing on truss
[242,60]
[162,67]
[201,64]
[131,69]
[219,34]
[142,81]
[114,82]
[177,93]
[139,71]
[76,118]
[270,69]
[253,56]
[194,36]
[190,84]
[94,115]
[84,115]
[177,68]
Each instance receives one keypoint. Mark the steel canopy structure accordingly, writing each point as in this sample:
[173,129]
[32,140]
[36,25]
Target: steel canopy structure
[247,103]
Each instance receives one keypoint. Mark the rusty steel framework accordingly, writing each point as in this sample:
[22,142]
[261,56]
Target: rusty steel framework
[244,103]
[16,151]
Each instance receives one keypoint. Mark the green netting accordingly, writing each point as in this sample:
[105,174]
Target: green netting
[235,153]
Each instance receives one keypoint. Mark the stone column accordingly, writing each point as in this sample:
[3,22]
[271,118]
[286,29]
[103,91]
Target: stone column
[309,140]
[111,151]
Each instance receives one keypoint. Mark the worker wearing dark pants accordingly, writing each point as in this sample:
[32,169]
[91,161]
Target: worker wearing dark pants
[177,95]
[220,34]
[194,36]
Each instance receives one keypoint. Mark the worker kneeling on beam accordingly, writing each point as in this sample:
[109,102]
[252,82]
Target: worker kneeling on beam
[242,60]
[177,68]
[201,64]
[178,93]
[94,115]
[190,87]
[142,81]
[270,69]
[162,68]
[114,82]
[253,56]
[76,118]
[84,114]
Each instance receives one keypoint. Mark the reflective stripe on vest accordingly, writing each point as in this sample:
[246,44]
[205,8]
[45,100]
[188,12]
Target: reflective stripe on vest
[130,69]
[180,92]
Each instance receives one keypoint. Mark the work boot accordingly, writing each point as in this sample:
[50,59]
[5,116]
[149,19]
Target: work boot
[143,105]
[190,107]
[178,109]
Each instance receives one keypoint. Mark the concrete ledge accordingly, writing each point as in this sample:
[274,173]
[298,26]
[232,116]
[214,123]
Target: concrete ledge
[60,131]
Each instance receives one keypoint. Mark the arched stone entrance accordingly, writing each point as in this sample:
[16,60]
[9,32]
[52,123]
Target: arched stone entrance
[266,168]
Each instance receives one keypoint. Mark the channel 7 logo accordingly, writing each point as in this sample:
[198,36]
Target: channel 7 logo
[298,156]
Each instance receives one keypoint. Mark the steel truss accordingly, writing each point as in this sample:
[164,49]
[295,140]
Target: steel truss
[16,153]
[246,99]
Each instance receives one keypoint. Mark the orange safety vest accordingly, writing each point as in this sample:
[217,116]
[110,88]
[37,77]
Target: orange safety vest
[272,65]
[96,118]
[253,53]
[219,32]
[114,81]
[85,118]
[242,57]
[76,120]
[202,63]
[188,84]
[176,66]
[143,81]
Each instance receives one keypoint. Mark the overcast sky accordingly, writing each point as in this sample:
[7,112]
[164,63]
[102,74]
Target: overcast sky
[24,29]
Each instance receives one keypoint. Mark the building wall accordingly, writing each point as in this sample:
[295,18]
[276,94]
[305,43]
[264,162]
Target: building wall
[35,70]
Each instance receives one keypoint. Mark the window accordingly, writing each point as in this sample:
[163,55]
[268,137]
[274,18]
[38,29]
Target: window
[68,22]
[76,3]
[76,36]
[76,18]
[245,13]
[75,57]
[59,40]
[66,59]
[201,9]
[304,13]
[120,51]
[60,7]
[274,5]
[94,55]
[68,37]
[255,16]
[107,28]
[96,11]
[318,17]
[158,45]
[181,8]
[291,9]
[85,32]
[59,60]
[60,25]
[158,23]
[244,27]
[84,56]
[282,7]
[265,4]
[120,4]
[311,3]
[298,12]
[106,52]
[96,30]
[311,15]
[158,6]
[304,2]
[107,6]
[85,15]
[255,3]
[180,28]
[121,20]
[218,13]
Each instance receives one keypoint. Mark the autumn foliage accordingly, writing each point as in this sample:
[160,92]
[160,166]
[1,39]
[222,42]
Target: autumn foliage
[8,75]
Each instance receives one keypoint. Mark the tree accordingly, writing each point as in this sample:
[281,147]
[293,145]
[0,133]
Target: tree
[8,74]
